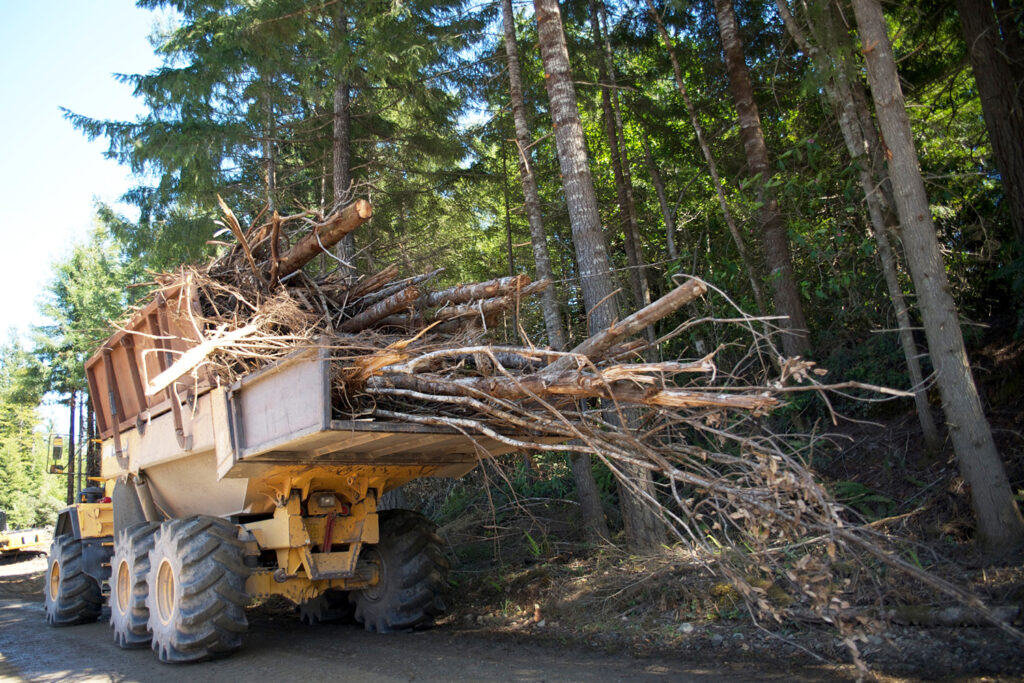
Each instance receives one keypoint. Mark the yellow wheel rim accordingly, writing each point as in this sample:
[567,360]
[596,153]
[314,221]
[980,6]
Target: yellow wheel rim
[165,592]
[54,580]
[124,586]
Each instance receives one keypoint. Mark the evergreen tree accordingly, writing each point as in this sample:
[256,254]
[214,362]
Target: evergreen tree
[86,297]
[243,108]
[26,493]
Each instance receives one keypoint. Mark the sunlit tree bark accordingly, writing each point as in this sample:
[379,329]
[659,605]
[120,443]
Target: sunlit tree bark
[1000,524]
[644,529]
[586,487]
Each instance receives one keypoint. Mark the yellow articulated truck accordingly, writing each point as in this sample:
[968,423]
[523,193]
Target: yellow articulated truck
[218,495]
[17,541]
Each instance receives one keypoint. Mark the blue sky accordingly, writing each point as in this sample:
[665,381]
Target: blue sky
[55,54]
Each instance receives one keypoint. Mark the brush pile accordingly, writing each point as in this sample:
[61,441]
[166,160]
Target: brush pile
[422,348]
[681,435]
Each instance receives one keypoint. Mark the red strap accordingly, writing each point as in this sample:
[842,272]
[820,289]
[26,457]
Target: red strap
[328,532]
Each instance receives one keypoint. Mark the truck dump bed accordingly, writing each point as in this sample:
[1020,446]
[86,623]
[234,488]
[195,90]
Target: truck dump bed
[213,449]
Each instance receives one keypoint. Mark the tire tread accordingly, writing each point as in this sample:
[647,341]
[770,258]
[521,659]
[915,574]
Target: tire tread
[79,598]
[416,577]
[210,572]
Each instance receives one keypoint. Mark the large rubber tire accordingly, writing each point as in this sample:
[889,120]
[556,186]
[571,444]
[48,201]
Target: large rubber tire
[129,587]
[70,595]
[331,605]
[413,575]
[197,592]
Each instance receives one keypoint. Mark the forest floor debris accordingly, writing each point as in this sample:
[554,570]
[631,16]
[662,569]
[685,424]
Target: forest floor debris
[673,603]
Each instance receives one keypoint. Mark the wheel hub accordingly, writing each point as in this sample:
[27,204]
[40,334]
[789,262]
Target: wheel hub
[54,580]
[165,592]
[124,586]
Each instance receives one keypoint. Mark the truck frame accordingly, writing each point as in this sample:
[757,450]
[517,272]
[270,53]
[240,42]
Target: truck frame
[215,495]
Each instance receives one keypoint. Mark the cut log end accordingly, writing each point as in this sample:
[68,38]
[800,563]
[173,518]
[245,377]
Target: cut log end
[363,209]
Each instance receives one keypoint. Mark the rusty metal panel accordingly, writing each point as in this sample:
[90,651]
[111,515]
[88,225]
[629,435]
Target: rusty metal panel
[137,353]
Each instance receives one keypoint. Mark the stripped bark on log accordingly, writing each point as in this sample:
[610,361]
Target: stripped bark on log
[628,348]
[236,229]
[569,384]
[196,355]
[482,290]
[483,308]
[598,345]
[489,307]
[371,299]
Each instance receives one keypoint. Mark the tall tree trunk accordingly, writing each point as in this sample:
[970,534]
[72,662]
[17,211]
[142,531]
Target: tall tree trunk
[585,221]
[510,253]
[341,147]
[773,232]
[1000,102]
[531,197]
[582,468]
[83,444]
[620,162]
[716,181]
[269,151]
[1000,524]
[644,528]
[72,406]
[831,61]
[659,188]
[93,457]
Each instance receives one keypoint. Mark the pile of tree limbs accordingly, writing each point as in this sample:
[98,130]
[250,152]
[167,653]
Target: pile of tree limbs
[394,337]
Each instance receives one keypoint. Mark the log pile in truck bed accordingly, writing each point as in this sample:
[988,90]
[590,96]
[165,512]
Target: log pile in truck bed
[406,352]
[402,350]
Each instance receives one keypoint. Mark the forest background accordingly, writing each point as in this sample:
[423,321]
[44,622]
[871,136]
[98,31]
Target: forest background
[748,152]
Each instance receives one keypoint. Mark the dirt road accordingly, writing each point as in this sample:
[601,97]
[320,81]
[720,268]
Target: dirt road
[280,648]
